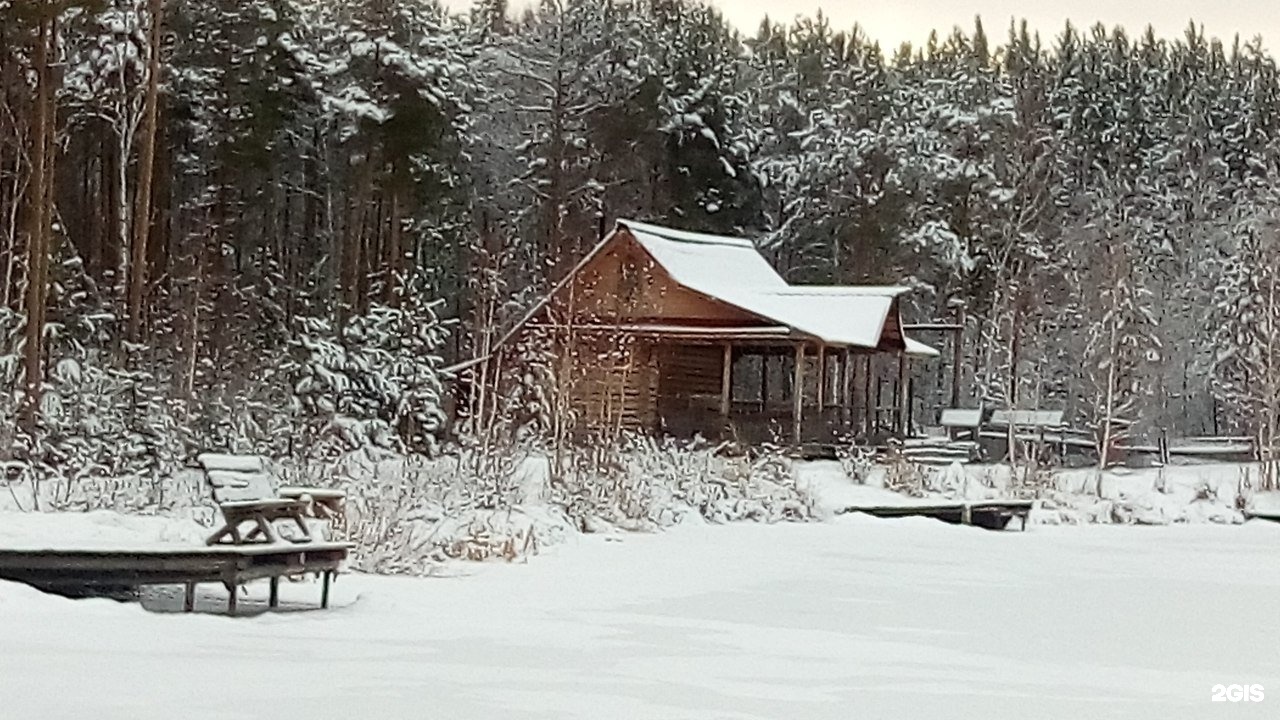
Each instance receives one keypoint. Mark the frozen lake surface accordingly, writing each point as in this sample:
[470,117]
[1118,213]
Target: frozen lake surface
[852,618]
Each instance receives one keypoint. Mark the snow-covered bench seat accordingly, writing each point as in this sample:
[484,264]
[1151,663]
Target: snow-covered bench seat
[242,488]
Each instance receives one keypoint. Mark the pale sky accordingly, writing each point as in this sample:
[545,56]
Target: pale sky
[895,21]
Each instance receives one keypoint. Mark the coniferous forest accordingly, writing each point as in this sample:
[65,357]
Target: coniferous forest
[217,216]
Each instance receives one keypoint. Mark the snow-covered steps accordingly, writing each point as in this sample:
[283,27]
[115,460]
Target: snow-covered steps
[939,451]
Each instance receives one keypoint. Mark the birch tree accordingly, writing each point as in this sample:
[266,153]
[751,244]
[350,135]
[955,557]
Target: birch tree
[1246,315]
[1119,326]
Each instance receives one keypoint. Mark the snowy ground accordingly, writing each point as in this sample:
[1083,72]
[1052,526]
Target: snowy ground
[1204,493]
[856,617]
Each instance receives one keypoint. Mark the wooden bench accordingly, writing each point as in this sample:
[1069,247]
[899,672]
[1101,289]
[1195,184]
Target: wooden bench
[241,486]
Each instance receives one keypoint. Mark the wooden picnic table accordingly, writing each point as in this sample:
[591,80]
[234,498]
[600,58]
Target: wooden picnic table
[322,503]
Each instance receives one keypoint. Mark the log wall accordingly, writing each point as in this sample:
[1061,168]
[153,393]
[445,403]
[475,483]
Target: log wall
[614,387]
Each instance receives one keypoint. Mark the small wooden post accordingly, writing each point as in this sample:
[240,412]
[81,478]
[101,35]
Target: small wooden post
[232,599]
[904,398]
[822,378]
[273,600]
[957,359]
[189,597]
[966,514]
[764,381]
[911,403]
[726,381]
[797,395]
[846,395]
[324,590]
[869,401]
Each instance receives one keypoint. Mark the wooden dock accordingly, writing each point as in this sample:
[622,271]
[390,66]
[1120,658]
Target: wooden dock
[989,514]
[1272,515]
[88,572]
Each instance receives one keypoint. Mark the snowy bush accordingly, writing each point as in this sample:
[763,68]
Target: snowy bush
[645,483]
[904,476]
[409,513]
[406,514]
[375,381]
[103,435]
[857,461]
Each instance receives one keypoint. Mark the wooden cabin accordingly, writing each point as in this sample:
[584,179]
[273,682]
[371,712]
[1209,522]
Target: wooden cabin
[665,331]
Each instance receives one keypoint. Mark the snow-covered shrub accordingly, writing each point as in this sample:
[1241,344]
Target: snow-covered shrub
[104,436]
[408,513]
[645,483]
[375,381]
[904,476]
[857,461]
[762,489]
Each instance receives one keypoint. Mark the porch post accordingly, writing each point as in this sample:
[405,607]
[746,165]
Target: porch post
[846,398]
[957,359]
[904,397]
[764,381]
[797,395]
[726,380]
[868,398]
[822,378]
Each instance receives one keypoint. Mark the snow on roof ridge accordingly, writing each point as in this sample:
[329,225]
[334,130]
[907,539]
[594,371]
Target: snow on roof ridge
[675,235]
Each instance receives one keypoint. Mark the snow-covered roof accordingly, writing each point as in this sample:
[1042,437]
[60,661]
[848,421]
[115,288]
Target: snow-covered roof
[733,271]
[708,264]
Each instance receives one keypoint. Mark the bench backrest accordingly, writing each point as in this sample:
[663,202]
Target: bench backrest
[235,478]
[1027,418]
[961,418]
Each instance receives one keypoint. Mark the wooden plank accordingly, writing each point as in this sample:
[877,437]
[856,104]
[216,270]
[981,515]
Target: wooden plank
[846,398]
[764,381]
[726,380]
[991,515]
[868,409]
[957,359]
[1027,418]
[136,568]
[797,393]
[822,377]
[904,397]
[961,418]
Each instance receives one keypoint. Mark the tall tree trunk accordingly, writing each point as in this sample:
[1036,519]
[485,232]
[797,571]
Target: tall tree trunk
[352,249]
[394,253]
[146,167]
[38,217]
[1109,401]
[193,316]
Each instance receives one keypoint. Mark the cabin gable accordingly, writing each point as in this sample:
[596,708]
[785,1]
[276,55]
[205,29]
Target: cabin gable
[623,284]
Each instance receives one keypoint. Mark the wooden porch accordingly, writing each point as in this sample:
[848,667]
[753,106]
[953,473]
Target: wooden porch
[744,390]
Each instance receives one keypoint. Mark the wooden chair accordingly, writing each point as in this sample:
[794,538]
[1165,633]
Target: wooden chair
[241,486]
